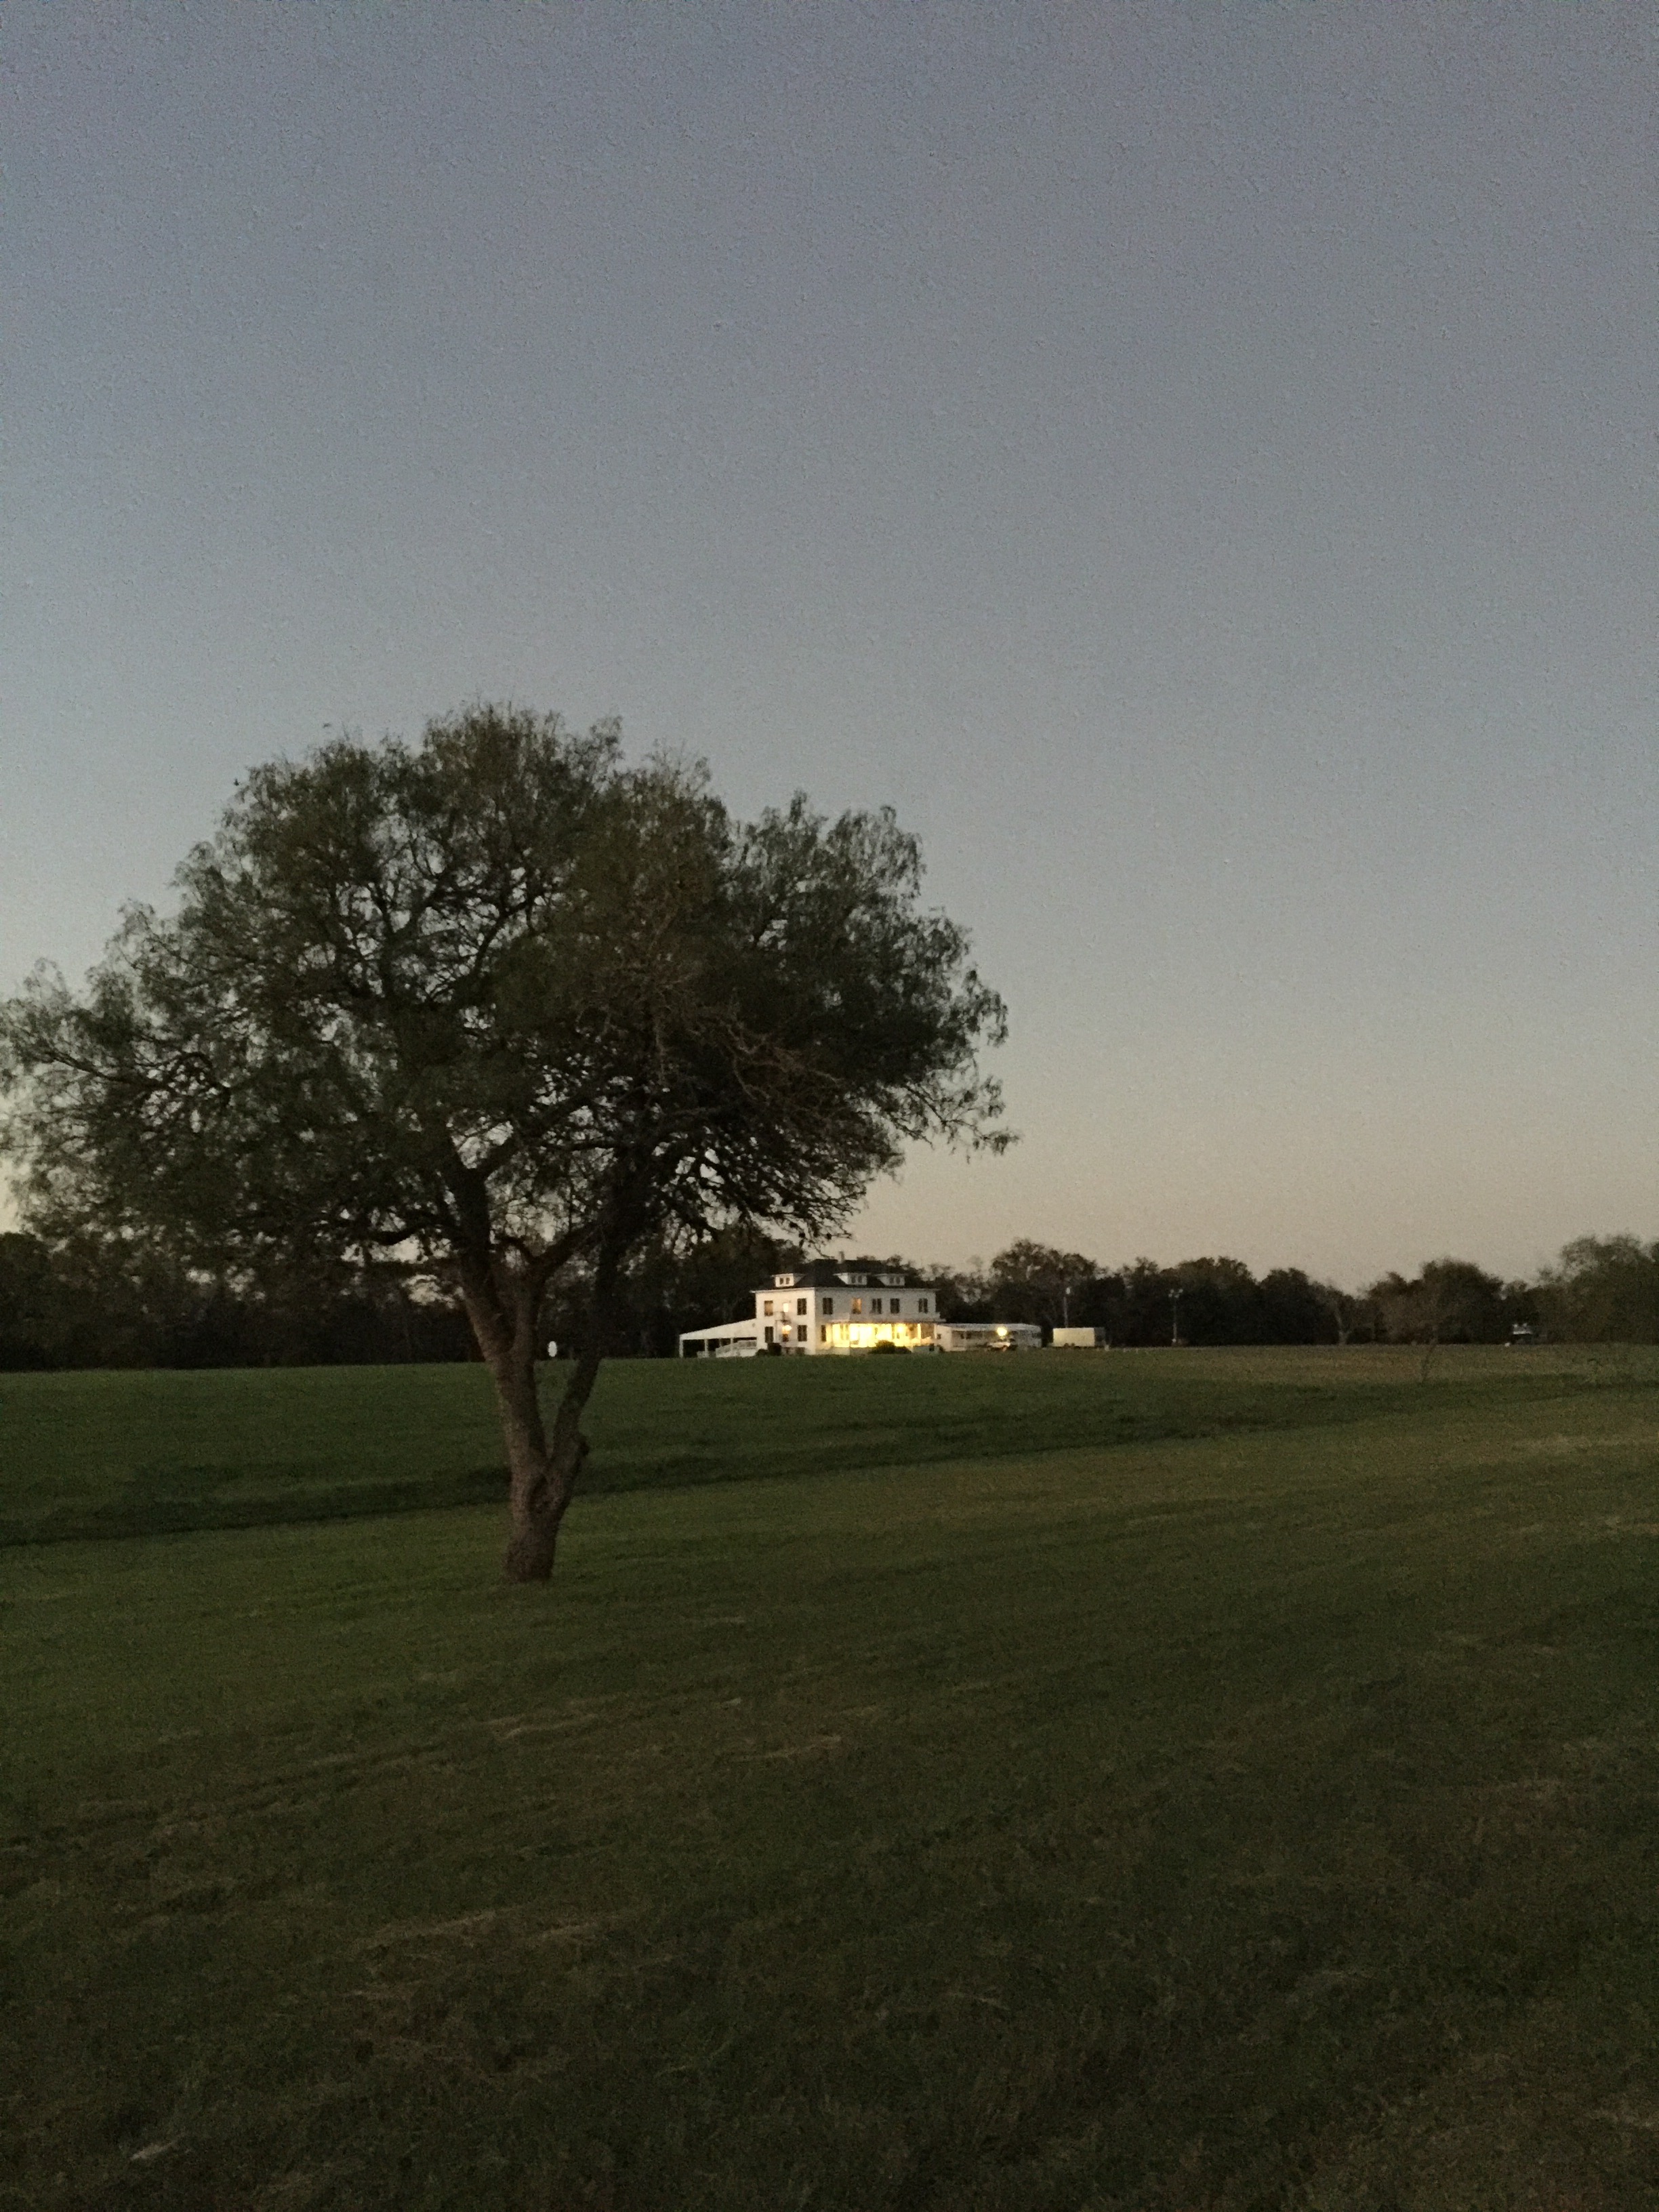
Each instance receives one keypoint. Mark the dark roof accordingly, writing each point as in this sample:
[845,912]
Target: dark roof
[832,1274]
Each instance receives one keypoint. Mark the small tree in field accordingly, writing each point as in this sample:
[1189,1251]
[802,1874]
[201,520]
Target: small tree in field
[1450,1301]
[502,1008]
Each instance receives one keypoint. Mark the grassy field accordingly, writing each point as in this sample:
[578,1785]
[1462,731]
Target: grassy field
[1250,1801]
[142,1453]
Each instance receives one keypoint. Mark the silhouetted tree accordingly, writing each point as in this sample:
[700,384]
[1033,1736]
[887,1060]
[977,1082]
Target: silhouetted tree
[1038,1282]
[1449,1302]
[1294,1309]
[1601,1290]
[501,1008]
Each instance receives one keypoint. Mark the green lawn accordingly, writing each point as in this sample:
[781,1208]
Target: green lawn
[140,1454]
[1260,1816]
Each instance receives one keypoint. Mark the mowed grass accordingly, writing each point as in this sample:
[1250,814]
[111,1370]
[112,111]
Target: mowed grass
[1261,1818]
[140,1454]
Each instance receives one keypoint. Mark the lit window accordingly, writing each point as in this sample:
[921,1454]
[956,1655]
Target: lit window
[858,1305]
[767,1307]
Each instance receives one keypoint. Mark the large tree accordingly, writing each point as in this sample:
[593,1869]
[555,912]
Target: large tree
[1603,1290]
[1036,1283]
[502,1007]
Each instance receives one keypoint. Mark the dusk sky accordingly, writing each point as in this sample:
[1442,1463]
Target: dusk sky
[1198,462]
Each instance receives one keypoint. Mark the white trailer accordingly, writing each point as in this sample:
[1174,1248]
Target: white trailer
[988,1336]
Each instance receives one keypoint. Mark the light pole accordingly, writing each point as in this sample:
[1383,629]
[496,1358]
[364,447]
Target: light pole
[1174,1318]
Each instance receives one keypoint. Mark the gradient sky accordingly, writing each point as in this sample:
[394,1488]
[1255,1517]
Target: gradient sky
[1197,461]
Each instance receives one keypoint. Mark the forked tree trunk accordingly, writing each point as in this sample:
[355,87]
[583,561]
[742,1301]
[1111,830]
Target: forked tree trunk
[504,1310]
[541,1475]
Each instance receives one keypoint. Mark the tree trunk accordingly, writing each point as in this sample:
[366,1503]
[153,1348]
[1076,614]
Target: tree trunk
[537,1514]
[504,1306]
[539,1479]
[504,1310]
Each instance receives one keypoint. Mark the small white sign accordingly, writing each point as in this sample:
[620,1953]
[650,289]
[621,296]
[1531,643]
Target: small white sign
[552,1349]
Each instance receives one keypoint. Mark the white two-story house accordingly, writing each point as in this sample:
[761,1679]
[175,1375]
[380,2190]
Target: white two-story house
[827,1305]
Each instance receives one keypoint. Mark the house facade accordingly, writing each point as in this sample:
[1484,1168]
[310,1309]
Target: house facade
[828,1306]
[824,1307]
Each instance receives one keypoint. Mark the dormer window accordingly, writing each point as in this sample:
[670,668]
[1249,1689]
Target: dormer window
[783,1282]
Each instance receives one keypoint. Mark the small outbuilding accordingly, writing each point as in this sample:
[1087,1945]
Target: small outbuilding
[731,1339]
[988,1336]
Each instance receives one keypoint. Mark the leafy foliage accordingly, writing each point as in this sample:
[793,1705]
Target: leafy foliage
[492,988]
[1449,1301]
[1603,1290]
[503,1009]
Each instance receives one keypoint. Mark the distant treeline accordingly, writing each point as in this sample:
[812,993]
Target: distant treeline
[109,1306]
[104,1305]
[1600,1290]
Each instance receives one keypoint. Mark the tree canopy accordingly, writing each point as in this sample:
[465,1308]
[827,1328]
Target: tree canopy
[1221,1302]
[1603,1289]
[502,1006]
